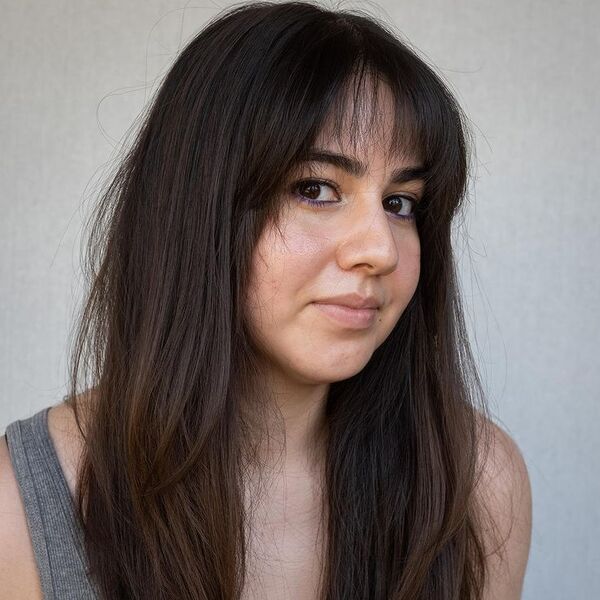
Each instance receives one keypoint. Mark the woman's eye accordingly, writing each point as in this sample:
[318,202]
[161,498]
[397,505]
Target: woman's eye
[402,206]
[313,191]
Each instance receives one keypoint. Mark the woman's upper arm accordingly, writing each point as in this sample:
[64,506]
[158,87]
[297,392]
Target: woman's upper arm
[505,492]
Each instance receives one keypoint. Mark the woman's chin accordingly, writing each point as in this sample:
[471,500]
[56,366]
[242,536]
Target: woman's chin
[330,372]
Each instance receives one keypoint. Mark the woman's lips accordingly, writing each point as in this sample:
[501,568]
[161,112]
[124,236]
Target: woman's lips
[353,318]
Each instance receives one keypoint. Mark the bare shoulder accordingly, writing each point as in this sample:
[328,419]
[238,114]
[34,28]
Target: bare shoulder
[504,494]
[19,577]
[67,439]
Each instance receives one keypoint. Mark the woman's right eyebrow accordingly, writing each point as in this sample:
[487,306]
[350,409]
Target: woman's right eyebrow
[356,168]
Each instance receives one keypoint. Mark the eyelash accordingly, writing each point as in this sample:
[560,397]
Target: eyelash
[330,184]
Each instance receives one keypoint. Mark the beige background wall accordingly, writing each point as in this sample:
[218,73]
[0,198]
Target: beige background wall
[73,76]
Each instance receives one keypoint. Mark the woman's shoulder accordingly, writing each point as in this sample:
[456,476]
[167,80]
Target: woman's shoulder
[66,437]
[503,493]
[19,577]
[502,467]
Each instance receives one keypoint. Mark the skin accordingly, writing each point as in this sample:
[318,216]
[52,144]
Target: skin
[354,244]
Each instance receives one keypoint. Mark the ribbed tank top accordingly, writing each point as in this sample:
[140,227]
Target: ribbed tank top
[50,510]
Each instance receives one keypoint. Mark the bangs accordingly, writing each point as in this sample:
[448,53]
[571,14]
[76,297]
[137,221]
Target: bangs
[356,117]
[327,80]
[426,125]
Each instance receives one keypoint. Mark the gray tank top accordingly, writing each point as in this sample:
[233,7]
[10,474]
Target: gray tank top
[55,534]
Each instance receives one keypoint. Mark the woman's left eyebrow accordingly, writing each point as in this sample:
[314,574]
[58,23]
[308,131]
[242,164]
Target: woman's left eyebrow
[355,167]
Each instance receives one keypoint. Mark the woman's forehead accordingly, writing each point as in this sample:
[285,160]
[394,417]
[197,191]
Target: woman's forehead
[364,151]
[370,127]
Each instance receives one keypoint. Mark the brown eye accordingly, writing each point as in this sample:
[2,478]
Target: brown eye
[401,207]
[308,190]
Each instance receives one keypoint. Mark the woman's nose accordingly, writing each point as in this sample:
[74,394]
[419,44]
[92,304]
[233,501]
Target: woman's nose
[369,239]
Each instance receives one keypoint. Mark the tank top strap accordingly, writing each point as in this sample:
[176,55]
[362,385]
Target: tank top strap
[56,536]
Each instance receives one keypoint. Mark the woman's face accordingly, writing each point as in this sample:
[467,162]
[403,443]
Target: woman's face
[361,242]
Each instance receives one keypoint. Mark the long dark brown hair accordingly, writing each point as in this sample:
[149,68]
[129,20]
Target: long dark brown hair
[163,343]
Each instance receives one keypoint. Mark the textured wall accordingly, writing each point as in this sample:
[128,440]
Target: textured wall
[75,74]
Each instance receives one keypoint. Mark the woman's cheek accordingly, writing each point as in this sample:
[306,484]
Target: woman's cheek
[409,262]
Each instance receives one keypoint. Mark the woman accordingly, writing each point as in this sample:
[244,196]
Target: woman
[282,403]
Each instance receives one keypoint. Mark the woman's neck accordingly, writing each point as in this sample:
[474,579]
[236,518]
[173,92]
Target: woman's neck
[292,427]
